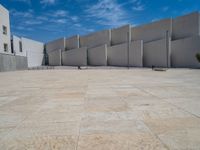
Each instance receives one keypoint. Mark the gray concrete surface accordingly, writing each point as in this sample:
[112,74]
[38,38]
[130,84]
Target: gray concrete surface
[55,58]
[184,52]
[152,31]
[75,57]
[136,54]
[121,35]
[72,42]
[21,63]
[55,45]
[96,39]
[186,26]
[97,56]
[12,63]
[100,110]
[156,54]
[118,55]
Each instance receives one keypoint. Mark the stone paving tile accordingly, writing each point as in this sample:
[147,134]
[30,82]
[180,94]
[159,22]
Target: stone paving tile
[177,133]
[119,142]
[40,143]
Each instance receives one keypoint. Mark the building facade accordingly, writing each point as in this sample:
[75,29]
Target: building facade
[5,41]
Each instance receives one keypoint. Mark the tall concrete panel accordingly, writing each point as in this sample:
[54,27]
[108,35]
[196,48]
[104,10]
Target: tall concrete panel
[75,57]
[21,62]
[186,26]
[184,52]
[118,55]
[72,42]
[136,54]
[34,50]
[153,31]
[35,59]
[157,53]
[96,39]
[55,58]
[121,35]
[8,63]
[97,56]
[55,45]
[12,63]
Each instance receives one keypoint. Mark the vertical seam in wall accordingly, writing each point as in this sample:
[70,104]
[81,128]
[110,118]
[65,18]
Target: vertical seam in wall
[106,48]
[78,41]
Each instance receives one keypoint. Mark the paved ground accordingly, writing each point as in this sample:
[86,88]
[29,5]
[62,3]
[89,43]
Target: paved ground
[100,110]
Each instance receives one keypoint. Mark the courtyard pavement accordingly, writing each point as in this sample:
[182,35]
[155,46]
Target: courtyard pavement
[102,109]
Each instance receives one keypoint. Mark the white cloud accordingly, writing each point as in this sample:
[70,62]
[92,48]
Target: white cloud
[47,2]
[60,13]
[74,18]
[58,21]
[166,8]
[33,22]
[108,12]
[27,14]
[24,1]
[56,13]
[138,6]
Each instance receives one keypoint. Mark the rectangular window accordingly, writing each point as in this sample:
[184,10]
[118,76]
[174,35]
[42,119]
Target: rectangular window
[20,46]
[5,47]
[5,30]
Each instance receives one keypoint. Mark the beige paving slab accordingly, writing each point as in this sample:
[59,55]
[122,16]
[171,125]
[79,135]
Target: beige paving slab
[40,143]
[119,142]
[177,133]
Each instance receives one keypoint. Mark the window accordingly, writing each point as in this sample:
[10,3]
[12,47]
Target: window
[5,30]
[20,46]
[5,47]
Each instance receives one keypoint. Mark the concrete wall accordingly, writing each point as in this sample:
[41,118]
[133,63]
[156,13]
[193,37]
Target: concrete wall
[184,51]
[118,55]
[75,57]
[156,54]
[34,50]
[55,45]
[186,26]
[35,59]
[136,54]
[153,31]
[55,58]
[96,39]
[97,56]
[16,46]
[4,20]
[12,63]
[21,63]
[72,42]
[121,35]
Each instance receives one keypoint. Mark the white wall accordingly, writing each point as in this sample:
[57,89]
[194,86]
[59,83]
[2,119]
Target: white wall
[16,46]
[4,20]
[34,51]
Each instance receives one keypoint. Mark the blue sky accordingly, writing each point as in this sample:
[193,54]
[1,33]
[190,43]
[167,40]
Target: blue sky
[46,20]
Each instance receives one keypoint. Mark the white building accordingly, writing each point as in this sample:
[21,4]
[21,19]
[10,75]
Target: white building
[5,42]
[33,50]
